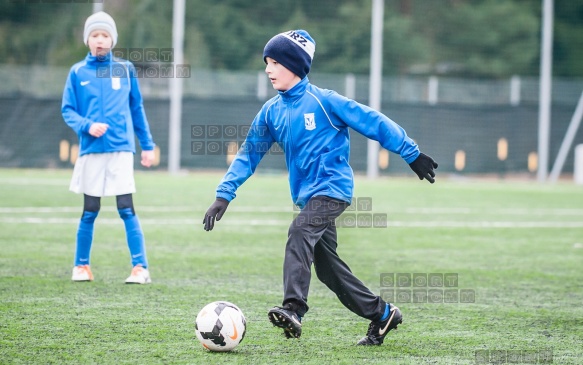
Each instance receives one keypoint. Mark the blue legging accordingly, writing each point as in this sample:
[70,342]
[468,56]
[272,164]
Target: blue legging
[134,234]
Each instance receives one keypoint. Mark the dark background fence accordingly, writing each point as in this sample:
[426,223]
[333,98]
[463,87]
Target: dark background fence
[32,132]
[462,77]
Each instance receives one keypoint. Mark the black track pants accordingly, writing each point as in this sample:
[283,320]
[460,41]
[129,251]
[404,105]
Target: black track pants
[312,239]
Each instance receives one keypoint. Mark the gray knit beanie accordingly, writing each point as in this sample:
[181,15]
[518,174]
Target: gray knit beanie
[101,21]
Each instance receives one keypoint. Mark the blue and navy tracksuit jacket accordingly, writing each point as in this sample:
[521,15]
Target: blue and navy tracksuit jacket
[311,126]
[105,90]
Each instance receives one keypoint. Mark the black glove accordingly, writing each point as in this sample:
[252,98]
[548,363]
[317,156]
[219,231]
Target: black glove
[215,211]
[423,167]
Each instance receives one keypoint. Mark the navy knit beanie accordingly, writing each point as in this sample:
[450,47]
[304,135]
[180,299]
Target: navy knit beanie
[294,49]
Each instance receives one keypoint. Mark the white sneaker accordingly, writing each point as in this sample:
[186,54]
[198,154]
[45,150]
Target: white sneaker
[82,273]
[139,275]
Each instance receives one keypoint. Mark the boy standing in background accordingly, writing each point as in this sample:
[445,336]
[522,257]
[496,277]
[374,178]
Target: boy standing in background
[102,103]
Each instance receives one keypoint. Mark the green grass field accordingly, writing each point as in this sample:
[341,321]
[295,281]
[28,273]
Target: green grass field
[517,245]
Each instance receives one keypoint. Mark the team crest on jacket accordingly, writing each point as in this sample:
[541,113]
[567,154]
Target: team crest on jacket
[115,83]
[310,121]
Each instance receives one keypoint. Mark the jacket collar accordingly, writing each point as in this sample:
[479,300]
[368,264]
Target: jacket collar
[295,92]
[96,59]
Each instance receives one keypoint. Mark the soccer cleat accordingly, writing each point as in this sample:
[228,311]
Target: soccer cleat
[378,330]
[139,275]
[82,273]
[284,317]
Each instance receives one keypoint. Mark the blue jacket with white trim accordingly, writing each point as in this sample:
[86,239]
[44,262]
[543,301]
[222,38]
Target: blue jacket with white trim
[311,126]
[100,89]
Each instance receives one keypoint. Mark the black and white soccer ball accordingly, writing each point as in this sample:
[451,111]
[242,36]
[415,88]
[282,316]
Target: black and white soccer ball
[220,326]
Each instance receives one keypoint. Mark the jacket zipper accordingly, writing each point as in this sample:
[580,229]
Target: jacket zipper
[102,97]
[289,122]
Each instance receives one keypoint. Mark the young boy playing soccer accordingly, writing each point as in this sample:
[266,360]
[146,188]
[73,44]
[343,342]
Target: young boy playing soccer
[311,125]
[102,103]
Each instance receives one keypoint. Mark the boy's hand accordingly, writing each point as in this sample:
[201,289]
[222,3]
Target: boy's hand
[98,129]
[148,158]
[215,212]
[423,167]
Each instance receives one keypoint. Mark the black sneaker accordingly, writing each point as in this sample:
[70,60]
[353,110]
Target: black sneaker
[378,330]
[284,317]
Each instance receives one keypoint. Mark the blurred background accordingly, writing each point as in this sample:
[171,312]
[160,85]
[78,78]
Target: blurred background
[461,76]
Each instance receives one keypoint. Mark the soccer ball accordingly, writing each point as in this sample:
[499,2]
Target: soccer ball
[220,326]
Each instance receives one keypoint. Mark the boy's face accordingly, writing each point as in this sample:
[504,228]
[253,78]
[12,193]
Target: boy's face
[281,78]
[99,42]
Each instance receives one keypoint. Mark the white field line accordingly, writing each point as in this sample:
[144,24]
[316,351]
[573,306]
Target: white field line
[505,211]
[12,215]
[285,223]
[34,181]
[78,209]
[549,212]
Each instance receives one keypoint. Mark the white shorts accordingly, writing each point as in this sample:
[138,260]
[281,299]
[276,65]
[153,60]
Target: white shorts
[104,174]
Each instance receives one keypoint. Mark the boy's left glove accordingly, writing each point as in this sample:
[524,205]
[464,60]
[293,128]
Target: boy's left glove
[423,167]
[215,211]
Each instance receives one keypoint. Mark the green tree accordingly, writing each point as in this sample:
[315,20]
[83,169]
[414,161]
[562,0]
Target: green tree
[485,38]
[568,38]
[482,38]
[33,32]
